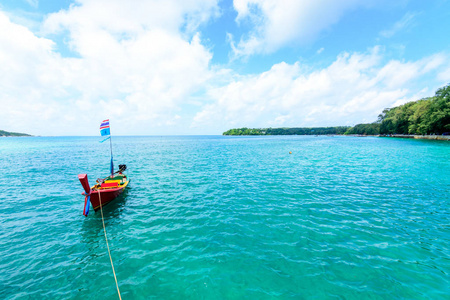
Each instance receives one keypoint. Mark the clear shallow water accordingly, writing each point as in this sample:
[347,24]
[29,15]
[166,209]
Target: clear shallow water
[228,218]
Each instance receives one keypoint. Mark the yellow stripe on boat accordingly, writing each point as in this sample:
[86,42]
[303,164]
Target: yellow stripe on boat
[113,181]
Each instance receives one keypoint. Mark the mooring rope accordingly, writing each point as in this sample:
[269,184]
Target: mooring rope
[106,238]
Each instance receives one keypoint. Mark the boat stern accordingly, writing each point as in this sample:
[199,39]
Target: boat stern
[84,182]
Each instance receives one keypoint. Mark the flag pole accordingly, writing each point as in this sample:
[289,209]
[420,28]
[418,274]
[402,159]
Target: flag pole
[110,145]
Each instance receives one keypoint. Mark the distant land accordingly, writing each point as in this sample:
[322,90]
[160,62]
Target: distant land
[6,133]
[289,131]
[427,116]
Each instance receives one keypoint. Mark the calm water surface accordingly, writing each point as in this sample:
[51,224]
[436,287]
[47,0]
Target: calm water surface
[228,218]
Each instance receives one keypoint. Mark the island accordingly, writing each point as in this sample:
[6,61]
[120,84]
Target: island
[289,131]
[425,117]
[6,133]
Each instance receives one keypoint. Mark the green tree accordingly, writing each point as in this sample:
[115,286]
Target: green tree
[425,116]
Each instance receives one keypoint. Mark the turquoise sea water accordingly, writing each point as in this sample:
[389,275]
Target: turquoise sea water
[228,218]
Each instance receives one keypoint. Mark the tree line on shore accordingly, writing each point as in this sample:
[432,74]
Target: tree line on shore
[426,116]
[288,131]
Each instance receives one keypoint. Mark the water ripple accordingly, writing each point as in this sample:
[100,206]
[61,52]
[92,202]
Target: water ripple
[229,218]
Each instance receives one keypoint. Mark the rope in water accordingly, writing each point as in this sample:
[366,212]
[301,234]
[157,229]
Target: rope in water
[106,238]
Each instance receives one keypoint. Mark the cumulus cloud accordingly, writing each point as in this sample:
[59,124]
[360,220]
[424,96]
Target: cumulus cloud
[30,73]
[131,17]
[276,24]
[148,70]
[127,62]
[355,88]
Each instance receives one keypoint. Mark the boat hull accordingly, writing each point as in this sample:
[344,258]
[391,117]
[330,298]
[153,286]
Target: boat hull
[103,192]
[105,197]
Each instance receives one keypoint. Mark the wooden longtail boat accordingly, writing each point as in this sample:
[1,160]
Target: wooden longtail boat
[107,189]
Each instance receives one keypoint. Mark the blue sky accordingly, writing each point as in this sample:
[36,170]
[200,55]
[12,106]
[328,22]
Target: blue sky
[202,67]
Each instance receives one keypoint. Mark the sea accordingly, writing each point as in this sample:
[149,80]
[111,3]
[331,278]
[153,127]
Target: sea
[227,217]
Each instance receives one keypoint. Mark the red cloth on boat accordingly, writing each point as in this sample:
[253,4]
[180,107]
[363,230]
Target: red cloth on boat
[109,184]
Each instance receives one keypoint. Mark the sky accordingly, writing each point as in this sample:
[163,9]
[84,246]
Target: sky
[187,67]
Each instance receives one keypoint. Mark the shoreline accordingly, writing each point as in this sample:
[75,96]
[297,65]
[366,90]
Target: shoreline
[404,136]
[419,137]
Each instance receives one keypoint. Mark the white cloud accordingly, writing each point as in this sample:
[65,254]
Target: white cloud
[33,3]
[355,88]
[445,75]
[148,70]
[130,62]
[396,73]
[406,22]
[276,24]
[30,73]
[133,16]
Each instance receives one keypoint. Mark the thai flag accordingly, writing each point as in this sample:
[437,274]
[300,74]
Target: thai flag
[104,128]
